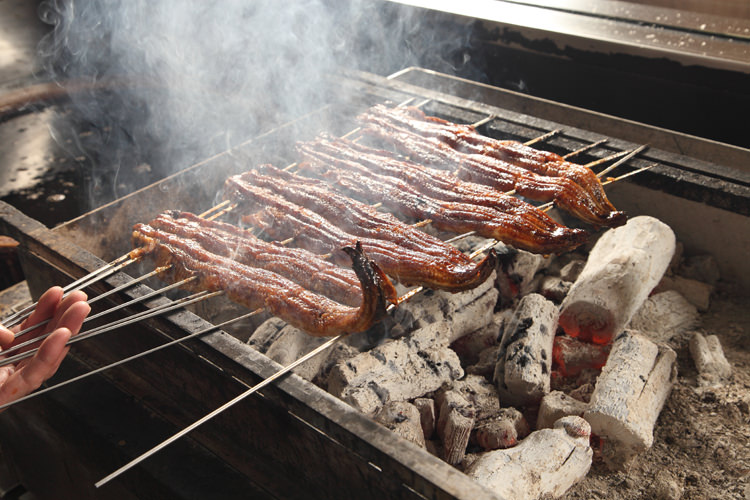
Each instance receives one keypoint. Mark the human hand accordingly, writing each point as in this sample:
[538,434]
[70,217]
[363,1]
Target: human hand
[66,317]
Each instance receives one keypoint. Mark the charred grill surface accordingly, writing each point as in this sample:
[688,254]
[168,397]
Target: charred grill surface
[254,287]
[489,170]
[497,215]
[410,256]
[303,267]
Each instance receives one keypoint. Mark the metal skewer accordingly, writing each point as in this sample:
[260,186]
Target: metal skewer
[213,209]
[93,300]
[542,137]
[131,358]
[185,301]
[484,120]
[108,311]
[101,273]
[584,149]
[629,174]
[221,409]
[622,160]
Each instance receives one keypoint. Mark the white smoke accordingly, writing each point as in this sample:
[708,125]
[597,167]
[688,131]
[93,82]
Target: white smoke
[193,77]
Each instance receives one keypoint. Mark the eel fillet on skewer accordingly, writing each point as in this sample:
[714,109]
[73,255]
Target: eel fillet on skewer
[284,210]
[450,203]
[301,266]
[434,149]
[254,287]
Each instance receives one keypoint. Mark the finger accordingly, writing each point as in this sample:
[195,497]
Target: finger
[73,317]
[66,303]
[6,337]
[38,369]
[48,358]
[44,309]
[5,373]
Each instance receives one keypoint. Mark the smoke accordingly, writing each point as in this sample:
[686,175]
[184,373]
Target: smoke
[183,79]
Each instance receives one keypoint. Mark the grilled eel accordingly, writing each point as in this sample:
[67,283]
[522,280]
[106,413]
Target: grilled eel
[254,287]
[491,171]
[447,215]
[465,138]
[408,255]
[301,266]
[515,222]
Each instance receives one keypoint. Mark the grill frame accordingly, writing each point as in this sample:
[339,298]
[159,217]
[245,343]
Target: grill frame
[328,449]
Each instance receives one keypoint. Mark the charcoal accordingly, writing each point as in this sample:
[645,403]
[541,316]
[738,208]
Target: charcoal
[545,464]
[625,264]
[629,395]
[522,372]
[708,356]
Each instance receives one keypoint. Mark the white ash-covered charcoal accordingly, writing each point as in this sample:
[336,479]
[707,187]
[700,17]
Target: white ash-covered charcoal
[402,418]
[290,344]
[583,392]
[460,405]
[427,415]
[696,292]
[522,372]
[337,354]
[485,365]
[708,356]
[629,395]
[625,264]
[665,315]
[554,288]
[432,306]
[703,268]
[456,419]
[516,273]
[472,344]
[557,405]
[266,334]
[572,270]
[571,356]
[544,465]
[501,430]
[473,316]
[479,393]
[398,370]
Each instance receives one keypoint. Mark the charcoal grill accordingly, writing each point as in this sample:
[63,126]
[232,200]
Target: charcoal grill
[294,440]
